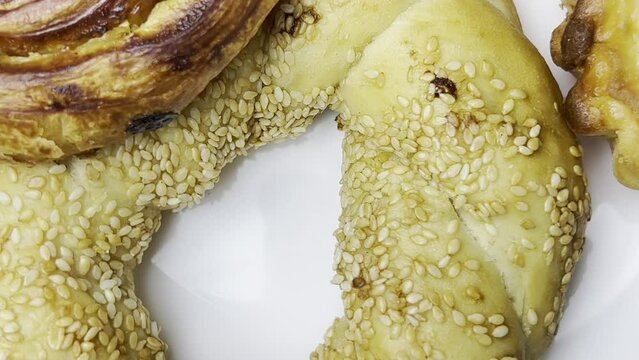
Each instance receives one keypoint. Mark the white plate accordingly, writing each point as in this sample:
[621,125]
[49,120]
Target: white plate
[246,274]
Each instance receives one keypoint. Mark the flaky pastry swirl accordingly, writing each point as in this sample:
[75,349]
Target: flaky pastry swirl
[78,74]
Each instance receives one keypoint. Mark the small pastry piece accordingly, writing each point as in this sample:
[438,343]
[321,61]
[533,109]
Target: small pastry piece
[597,42]
[78,74]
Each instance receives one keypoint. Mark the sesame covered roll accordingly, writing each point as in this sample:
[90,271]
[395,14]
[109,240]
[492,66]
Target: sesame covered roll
[464,199]
[72,232]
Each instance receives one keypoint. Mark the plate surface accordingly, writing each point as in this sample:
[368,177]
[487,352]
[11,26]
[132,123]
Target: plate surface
[246,274]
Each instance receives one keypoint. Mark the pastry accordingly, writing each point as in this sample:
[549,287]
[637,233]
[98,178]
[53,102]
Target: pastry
[597,43]
[76,75]
[73,231]
[463,197]
[486,207]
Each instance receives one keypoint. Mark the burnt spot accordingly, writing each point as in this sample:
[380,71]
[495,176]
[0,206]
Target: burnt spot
[65,95]
[57,106]
[341,122]
[69,91]
[467,120]
[578,38]
[309,17]
[444,86]
[181,63]
[359,282]
[150,122]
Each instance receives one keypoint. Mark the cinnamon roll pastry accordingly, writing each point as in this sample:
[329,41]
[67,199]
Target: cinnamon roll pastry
[78,74]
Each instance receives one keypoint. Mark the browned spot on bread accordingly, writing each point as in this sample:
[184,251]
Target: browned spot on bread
[64,96]
[359,282]
[181,63]
[578,38]
[444,86]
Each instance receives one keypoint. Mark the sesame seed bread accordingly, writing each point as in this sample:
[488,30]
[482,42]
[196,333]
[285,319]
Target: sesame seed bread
[73,231]
[78,74]
[459,230]
[463,205]
[598,43]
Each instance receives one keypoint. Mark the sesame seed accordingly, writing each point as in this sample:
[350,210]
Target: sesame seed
[476,103]
[454,246]
[478,143]
[476,318]
[498,84]
[472,265]
[57,169]
[508,107]
[527,244]
[62,265]
[491,229]
[535,131]
[574,151]
[5,199]
[453,66]
[434,271]
[500,331]
[496,319]
[76,194]
[548,319]
[36,182]
[518,94]
[432,44]
[403,101]
[438,314]
[459,318]
[372,74]
[64,322]
[414,298]
[518,191]
[419,239]
[350,56]
[522,206]
[470,70]
[525,150]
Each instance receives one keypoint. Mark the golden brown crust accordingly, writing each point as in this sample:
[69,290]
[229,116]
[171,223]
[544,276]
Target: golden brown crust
[74,77]
[596,43]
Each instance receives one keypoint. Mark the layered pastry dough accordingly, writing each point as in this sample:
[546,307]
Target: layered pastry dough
[78,74]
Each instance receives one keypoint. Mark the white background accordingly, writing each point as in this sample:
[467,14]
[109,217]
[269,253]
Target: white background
[246,274]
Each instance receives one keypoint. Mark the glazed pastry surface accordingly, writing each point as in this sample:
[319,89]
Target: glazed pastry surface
[76,75]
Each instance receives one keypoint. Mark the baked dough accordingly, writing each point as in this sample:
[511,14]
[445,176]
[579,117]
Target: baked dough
[597,42]
[78,74]
[464,200]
